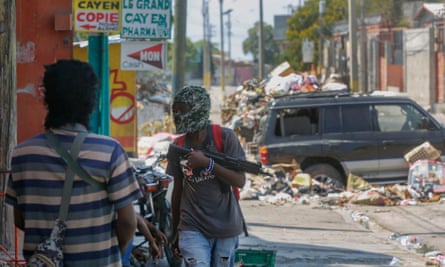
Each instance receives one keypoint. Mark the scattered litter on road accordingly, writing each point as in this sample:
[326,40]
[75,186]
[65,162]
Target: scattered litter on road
[409,241]
[360,218]
[395,262]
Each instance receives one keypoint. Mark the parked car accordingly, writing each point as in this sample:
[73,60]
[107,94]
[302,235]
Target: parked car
[336,133]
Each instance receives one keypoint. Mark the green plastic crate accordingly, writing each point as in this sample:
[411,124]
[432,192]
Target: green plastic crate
[255,258]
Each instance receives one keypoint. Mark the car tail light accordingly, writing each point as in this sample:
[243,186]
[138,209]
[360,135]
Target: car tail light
[164,182]
[264,155]
[151,187]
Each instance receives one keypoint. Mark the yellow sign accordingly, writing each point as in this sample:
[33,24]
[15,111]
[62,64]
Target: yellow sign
[123,125]
[96,16]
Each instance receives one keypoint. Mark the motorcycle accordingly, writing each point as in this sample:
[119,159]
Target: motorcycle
[155,206]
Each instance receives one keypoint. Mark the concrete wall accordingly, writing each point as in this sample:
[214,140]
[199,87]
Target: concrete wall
[420,65]
[43,35]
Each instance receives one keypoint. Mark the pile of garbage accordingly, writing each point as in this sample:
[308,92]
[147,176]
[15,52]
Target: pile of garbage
[244,108]
[287,183]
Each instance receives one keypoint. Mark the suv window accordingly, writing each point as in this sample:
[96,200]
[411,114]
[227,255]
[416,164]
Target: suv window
[297,121]
[332,122]
[348,119]
[394,118]
[356,118]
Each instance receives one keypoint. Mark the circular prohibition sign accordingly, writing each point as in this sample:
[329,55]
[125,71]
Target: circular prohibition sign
[122,107]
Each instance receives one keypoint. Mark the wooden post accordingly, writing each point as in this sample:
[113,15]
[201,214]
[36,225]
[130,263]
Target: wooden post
[8,120]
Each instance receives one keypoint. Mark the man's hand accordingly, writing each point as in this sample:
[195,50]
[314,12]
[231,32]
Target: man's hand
[175,247]
[155,250]
[197,159]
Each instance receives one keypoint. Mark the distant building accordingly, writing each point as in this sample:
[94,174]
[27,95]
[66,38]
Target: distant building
[236,72]
[429,14]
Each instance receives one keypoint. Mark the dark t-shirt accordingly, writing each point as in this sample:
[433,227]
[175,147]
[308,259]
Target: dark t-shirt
[207,204]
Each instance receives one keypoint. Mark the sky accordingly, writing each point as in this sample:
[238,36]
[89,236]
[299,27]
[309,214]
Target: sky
[244,15]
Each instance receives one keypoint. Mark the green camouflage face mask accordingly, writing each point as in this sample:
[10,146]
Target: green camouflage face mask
[197,117]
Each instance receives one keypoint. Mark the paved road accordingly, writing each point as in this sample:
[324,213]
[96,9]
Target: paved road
[314,235]
[320,235]
[425,221]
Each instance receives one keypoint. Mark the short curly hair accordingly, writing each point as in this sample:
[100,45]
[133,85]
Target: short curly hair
[71,88]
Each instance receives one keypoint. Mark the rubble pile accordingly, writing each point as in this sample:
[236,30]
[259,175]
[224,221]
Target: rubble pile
[425,183]
[243,109]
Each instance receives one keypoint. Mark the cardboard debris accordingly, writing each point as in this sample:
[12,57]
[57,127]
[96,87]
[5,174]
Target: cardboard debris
[423,151]
[292,165]
[370,197]
[282,70]
[355,183]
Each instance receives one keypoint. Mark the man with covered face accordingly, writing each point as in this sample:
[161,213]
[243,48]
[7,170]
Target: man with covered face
[206,216]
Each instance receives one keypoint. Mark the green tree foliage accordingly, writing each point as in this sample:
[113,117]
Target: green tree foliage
[251,43]
[391,10]
[305,24]
[191,55]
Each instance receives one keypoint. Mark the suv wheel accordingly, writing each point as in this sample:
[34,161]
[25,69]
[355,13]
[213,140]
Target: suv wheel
[326,175]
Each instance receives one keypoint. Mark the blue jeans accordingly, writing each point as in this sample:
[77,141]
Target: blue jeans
[126,257]
[200,251]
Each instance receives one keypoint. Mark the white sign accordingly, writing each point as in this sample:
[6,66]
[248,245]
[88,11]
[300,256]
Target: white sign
[308,51]
[146,19]
[143,55]
[96,16]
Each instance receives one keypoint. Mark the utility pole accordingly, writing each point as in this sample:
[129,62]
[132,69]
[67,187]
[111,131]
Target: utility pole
[8,119]
[206,75]
[229,33]
[223,89]
[352,53]
[261,44]
[363,51]
[179,45]
[321,10]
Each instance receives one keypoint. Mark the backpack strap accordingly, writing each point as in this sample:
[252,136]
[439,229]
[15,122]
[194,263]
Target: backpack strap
[218,140]
[217,137]
[180,140]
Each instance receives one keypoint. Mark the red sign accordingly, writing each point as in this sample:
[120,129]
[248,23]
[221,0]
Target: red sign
[91,20]
[151,55]
[136,55]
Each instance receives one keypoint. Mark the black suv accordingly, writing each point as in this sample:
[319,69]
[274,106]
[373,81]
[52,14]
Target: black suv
[334,134]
